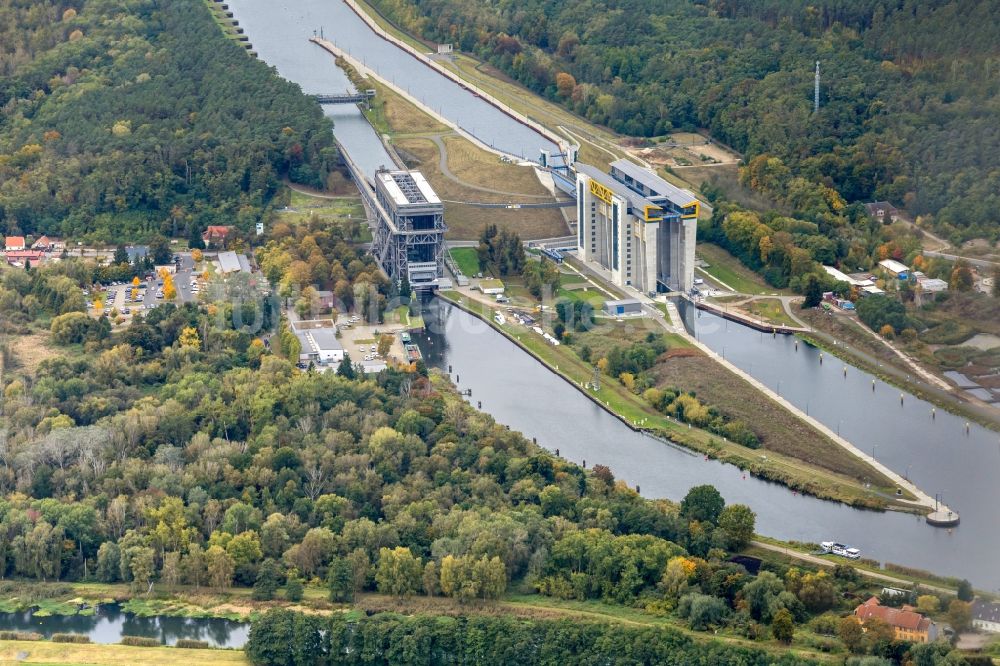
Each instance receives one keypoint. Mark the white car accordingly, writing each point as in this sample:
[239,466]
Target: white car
[374,348]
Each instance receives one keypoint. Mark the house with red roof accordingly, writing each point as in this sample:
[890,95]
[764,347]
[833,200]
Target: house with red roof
[13,243]
[216,235]
[906,623]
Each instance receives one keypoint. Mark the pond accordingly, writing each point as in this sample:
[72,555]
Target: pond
[109,623]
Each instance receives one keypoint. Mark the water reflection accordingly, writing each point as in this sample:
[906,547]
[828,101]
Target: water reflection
[109,623]
[523,394]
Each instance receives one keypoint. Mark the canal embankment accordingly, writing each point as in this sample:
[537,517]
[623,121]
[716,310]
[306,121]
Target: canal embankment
[404,92]
[938,513]
[475,90]
[628,408]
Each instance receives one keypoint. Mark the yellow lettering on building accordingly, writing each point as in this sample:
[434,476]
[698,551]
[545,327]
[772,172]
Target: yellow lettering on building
[601,192]
[692,210]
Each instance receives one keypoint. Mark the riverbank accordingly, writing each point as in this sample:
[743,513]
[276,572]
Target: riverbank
[92,654]
[639,416]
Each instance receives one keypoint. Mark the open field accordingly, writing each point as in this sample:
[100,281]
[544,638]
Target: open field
[804,476]
[346,210]
[466,221]
[70,654]
[727,268]
[770,310]
[467,259]
[478,167]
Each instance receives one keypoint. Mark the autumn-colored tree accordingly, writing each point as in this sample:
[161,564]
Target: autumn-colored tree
[565,83]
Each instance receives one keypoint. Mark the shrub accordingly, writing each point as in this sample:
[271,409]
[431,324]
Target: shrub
[954,357]
[948,333]
[70,638]
[192,644]
[141,641]
[20,636]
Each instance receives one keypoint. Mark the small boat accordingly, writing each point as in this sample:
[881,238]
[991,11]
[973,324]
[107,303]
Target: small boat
[499,318]
[840,549]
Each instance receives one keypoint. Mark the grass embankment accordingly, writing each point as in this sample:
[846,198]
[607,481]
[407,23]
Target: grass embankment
[473,174]
[726,268]
[466,222]
[467,259]
[72,654]
[770,464]
[910,575]
[770,310]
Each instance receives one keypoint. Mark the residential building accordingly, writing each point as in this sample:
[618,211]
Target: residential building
[18,257]
[216,235]
[43,243]
[986,616]
[636,226]
[883,211]
[325,299]
[906,623]
[13,243]
[894,268]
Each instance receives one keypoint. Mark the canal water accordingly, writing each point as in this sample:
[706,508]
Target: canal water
[936,453]
[110,623]
[521,393]
[280,29]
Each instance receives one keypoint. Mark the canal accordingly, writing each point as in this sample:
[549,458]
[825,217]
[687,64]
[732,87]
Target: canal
[936,453]
[521,393]
[109,623]
[279,32]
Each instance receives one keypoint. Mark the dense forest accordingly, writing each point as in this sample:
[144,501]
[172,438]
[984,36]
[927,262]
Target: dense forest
[179,449]
[125,118]
[909,98]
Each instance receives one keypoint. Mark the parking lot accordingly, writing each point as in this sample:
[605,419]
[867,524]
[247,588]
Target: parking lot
[359,339]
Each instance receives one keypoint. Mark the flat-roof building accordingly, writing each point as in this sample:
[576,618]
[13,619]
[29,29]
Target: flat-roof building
[624,307]
[636,226]
[411,245]
[319,342]
[230,262]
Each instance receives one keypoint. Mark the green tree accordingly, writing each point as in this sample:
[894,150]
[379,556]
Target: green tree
[265,587]
[703,503]
[738,522]
[398,572]
[851,633]
[812,289]
[340,580]
[783,627]
[964,591]
[220,567]
[960,615]
[346,367]
[431,579]
[294,589]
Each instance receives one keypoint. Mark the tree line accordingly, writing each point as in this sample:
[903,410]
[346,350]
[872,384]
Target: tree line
[908,95]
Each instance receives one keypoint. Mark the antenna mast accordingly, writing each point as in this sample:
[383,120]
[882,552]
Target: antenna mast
[816,91]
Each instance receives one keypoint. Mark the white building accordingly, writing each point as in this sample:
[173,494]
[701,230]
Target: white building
[230,262]
[932,285]
[894,268]
[986,616]
[319,342]
[636,226]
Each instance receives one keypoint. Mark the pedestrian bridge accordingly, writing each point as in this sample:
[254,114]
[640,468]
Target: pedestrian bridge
[344,98]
